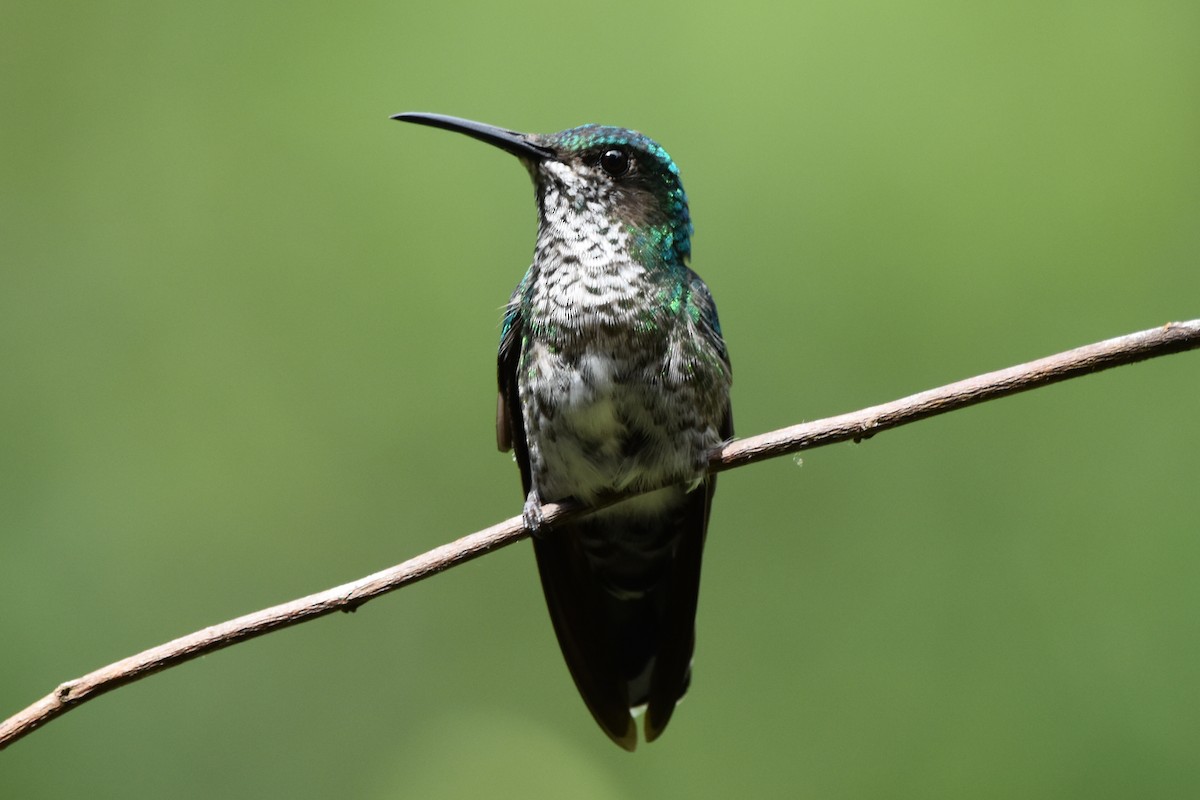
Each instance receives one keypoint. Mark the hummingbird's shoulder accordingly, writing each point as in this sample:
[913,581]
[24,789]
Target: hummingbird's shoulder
[701,310]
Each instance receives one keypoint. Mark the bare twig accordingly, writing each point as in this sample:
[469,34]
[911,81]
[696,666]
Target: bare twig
[859,425]
[1174,337]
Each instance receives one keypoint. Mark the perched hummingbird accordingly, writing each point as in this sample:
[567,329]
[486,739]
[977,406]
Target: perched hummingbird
[614,378]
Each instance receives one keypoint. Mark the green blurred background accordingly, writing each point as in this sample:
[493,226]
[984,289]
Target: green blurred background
[247,335]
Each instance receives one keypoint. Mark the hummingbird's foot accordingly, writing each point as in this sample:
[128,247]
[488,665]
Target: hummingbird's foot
[531,514]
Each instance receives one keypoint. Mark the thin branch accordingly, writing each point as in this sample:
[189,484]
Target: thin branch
[856,426]
[1174,337]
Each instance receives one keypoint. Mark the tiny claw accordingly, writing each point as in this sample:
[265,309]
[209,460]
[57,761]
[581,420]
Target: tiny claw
[531,514]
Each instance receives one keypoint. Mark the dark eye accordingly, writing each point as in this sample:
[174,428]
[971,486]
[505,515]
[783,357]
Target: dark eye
[615,162]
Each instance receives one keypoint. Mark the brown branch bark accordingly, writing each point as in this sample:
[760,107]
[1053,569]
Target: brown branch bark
[856,426]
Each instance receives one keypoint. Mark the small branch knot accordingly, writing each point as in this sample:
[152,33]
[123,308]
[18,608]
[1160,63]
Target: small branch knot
[865,430]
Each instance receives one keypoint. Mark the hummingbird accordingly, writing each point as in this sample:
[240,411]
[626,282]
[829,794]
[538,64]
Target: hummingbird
[613,379]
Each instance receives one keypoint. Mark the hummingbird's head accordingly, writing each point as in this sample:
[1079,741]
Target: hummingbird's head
[593,177]
[619,175]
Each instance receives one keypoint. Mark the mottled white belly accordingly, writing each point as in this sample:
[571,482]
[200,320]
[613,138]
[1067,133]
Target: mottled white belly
[600,438]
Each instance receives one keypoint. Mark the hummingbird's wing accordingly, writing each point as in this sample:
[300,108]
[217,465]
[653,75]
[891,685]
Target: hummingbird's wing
[510,427]
[677,612]
[673,665]
[680,595]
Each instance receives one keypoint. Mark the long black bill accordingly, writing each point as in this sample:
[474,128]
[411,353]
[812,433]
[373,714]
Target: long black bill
[516,143]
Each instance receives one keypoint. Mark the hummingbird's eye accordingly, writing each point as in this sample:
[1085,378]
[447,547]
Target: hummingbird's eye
[615,162]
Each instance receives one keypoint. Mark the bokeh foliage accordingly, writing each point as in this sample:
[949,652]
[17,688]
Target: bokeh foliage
[247,331]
